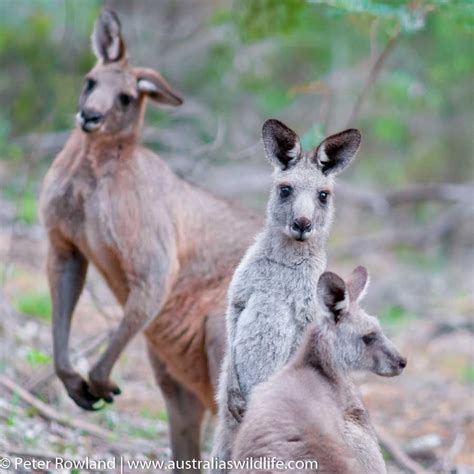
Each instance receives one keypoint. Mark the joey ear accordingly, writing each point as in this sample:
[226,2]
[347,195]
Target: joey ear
[151,83]
[358,283]
[107,41]
[333,295]
[282,145]
[335,152]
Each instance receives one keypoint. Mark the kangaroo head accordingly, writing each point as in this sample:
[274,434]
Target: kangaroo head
[357,339]
[112,99]
[301,202]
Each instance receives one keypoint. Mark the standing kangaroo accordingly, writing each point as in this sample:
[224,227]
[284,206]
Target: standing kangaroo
[167,249]
[311,409]
[272,296]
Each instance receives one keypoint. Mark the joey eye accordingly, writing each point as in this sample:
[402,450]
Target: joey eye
[90,84]
[285,191]
[369,338]
[125,99]
[323,196]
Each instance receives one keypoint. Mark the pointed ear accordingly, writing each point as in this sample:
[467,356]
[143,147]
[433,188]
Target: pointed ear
[333,295]
[358,283]
[107,41]
[336,152]
[150,83]
[282,145]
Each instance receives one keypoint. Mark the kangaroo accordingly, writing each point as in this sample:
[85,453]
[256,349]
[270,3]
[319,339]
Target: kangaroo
[272,296]
[311,409]
[166,248]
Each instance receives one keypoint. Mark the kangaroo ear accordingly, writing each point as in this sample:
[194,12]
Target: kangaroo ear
[151,83]
[333,295]
[358,283]
[107,41]
[282,145]
[336,152]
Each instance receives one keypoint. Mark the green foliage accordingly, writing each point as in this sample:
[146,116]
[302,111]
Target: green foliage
[163,416]
[433,262]
[467,374]
[394,315]
[305,40]
[35,304]
[150,414]
[143,432]
[390,129]
[12,416]
[268,54]
[107,415]
[263,18]
[36,358]
[27,212]
[42,82]
[25,196]
[313,137]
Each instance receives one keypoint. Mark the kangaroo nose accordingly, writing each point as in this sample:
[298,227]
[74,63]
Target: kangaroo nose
[302,224]
[91,116]
[402,362]
[90,120]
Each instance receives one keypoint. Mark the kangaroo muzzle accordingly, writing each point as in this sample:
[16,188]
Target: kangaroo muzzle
[301,228]
[90,120]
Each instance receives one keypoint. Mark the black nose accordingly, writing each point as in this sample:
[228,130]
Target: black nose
[91,116]
[302,224]
[402,363]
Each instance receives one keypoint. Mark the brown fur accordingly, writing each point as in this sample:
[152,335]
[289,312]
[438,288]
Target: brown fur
[310,410]
[166,248]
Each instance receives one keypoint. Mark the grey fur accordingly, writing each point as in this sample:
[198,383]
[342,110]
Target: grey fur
[311,409]
[272,296]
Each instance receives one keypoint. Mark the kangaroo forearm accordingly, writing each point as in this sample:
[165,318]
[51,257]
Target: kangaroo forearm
[119,340]
[142,306]
[67,272]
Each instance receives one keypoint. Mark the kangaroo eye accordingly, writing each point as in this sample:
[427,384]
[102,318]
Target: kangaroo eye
[125,99]
[90,84]
[285,191]
[323,197]
[369,339]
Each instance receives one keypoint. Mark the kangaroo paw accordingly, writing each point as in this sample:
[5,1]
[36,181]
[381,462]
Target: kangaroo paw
[78,389]
[103,389]
[236,404]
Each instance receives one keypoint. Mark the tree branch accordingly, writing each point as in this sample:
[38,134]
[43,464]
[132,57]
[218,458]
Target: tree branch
[51,414]
[117,440]
[373,75]
[397,454]
[418,236]
[380,203]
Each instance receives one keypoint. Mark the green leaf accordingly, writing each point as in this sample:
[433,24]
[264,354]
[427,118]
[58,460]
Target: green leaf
[35,358]
[35,304]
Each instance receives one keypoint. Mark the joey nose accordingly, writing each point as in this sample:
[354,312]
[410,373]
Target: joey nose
[402,363]
[302,224]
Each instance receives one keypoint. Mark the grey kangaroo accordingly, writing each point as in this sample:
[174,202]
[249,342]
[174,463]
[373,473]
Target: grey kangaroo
[311,409]
[167,249]
[272,296]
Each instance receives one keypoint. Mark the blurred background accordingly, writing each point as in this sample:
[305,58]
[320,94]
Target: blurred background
[401,71]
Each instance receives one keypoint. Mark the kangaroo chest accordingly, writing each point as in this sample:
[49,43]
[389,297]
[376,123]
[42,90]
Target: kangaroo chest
[282,301]
[295,289]
[359,435]
[76,206]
